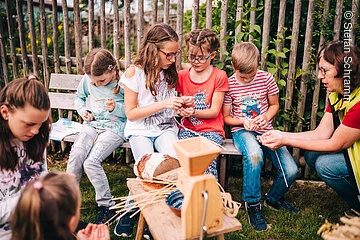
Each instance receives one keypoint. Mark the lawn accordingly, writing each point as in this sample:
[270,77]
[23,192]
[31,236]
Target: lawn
[316,203]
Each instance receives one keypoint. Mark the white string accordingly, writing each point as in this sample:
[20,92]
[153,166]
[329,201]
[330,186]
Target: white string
[196,133]
[286,183]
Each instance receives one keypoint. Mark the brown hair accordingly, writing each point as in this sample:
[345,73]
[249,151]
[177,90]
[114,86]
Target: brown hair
[245,57]
[203,39]
[100,61]
[45,208]
[15,95]
[339,55]
[148,57]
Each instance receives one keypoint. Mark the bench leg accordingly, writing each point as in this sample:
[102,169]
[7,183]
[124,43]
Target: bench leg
[220,237]
[128,155]
[140,228]
[222,172]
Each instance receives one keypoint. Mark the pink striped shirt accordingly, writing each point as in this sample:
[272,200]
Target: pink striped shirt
[251,99]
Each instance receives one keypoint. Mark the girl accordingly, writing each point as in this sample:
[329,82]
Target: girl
[150,100]
[24,131]
[103,127]
[49,208]
[207,85]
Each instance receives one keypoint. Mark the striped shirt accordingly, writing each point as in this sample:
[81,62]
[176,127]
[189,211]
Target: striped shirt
[251,99]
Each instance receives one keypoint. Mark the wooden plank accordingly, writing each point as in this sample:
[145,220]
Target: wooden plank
[229,148]
[65,81]
[62,100]
[164,224]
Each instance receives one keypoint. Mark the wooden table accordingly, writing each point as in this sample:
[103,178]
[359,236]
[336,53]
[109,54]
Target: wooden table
[164,224]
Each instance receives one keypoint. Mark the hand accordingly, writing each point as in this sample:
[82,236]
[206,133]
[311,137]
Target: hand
[186,112]
[94,232]
[250,125]
[173,103]
[110,104]
[260,121]
[188,101]
[272,139]
[87,116]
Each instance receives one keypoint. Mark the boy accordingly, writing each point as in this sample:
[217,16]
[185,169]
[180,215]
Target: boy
[249,107]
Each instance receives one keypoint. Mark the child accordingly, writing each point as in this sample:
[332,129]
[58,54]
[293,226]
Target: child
[24,131]
[150,100]
[49,208]
[104,122]
[249,108]
[207,85]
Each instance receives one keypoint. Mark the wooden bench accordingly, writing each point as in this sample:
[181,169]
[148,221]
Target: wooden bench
[62,91]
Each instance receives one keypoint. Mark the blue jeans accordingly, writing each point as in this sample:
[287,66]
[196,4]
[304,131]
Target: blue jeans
[141,145]
[332,169]
[212,136]
[89,150]
[253,154]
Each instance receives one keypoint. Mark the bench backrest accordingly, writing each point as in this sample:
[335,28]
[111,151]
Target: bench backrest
[65,86]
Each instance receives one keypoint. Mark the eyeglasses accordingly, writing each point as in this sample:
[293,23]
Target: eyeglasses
[322,70]
[170,55]
[200,59]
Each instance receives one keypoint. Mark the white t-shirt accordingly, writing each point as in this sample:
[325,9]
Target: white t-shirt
[159,122]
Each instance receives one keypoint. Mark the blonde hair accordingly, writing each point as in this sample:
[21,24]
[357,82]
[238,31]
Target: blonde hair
[45,208]
[203,39]
[245,57]
[148,56]
[100,61]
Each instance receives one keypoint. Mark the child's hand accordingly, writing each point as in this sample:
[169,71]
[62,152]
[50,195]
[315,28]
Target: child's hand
[173,103]
[260,121]
[186,112]
[249,125]
[87,116]
[188,101]
[94,232]
[110,104]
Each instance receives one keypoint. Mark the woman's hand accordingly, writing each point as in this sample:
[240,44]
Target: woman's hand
[272,139]
[173,103]
[94,232]
[87,116]
[110,104]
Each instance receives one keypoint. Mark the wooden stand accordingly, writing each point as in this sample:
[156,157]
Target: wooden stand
[199,213]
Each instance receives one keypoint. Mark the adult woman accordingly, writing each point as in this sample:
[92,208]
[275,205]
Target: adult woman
[336,156]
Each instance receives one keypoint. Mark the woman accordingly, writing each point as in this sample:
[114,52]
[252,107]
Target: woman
[335,150]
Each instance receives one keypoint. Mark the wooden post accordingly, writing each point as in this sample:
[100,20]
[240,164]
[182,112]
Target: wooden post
[252,19]
[44,48]
[3,56]
[239,13]
[154,11]
[292,61]
[306,70]
[280,31]
[20,20]
[338,16]
[78,38]
[355,10]
[208,14]
[140,23]
[127,32]
[55,36]
[265,33]
[166,11]
[223,24]
[10,31]
[116,38]
[102,24]
[179,28]
[195,15]
[91,24]
[33,37]
[66,37]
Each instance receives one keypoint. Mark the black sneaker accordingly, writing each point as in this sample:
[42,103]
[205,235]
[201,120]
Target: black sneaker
[281,204]
[147,234]
[255,216]
[124,226]
[105,216]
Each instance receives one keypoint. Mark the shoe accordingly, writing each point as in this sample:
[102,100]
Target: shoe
[124,226]
[105,216]
[255,216]
[281,204]
[147,234]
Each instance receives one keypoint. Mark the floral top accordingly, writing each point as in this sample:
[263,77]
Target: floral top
[12,182]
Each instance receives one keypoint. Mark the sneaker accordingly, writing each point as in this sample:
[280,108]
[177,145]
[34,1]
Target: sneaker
[105,215]
[147,234]
[255,216]
[281,204]
[124,226]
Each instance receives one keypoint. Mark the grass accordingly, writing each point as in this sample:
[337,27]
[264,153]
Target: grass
[316,203]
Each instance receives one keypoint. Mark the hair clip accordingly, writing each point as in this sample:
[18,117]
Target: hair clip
[110,67]
[38,185]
